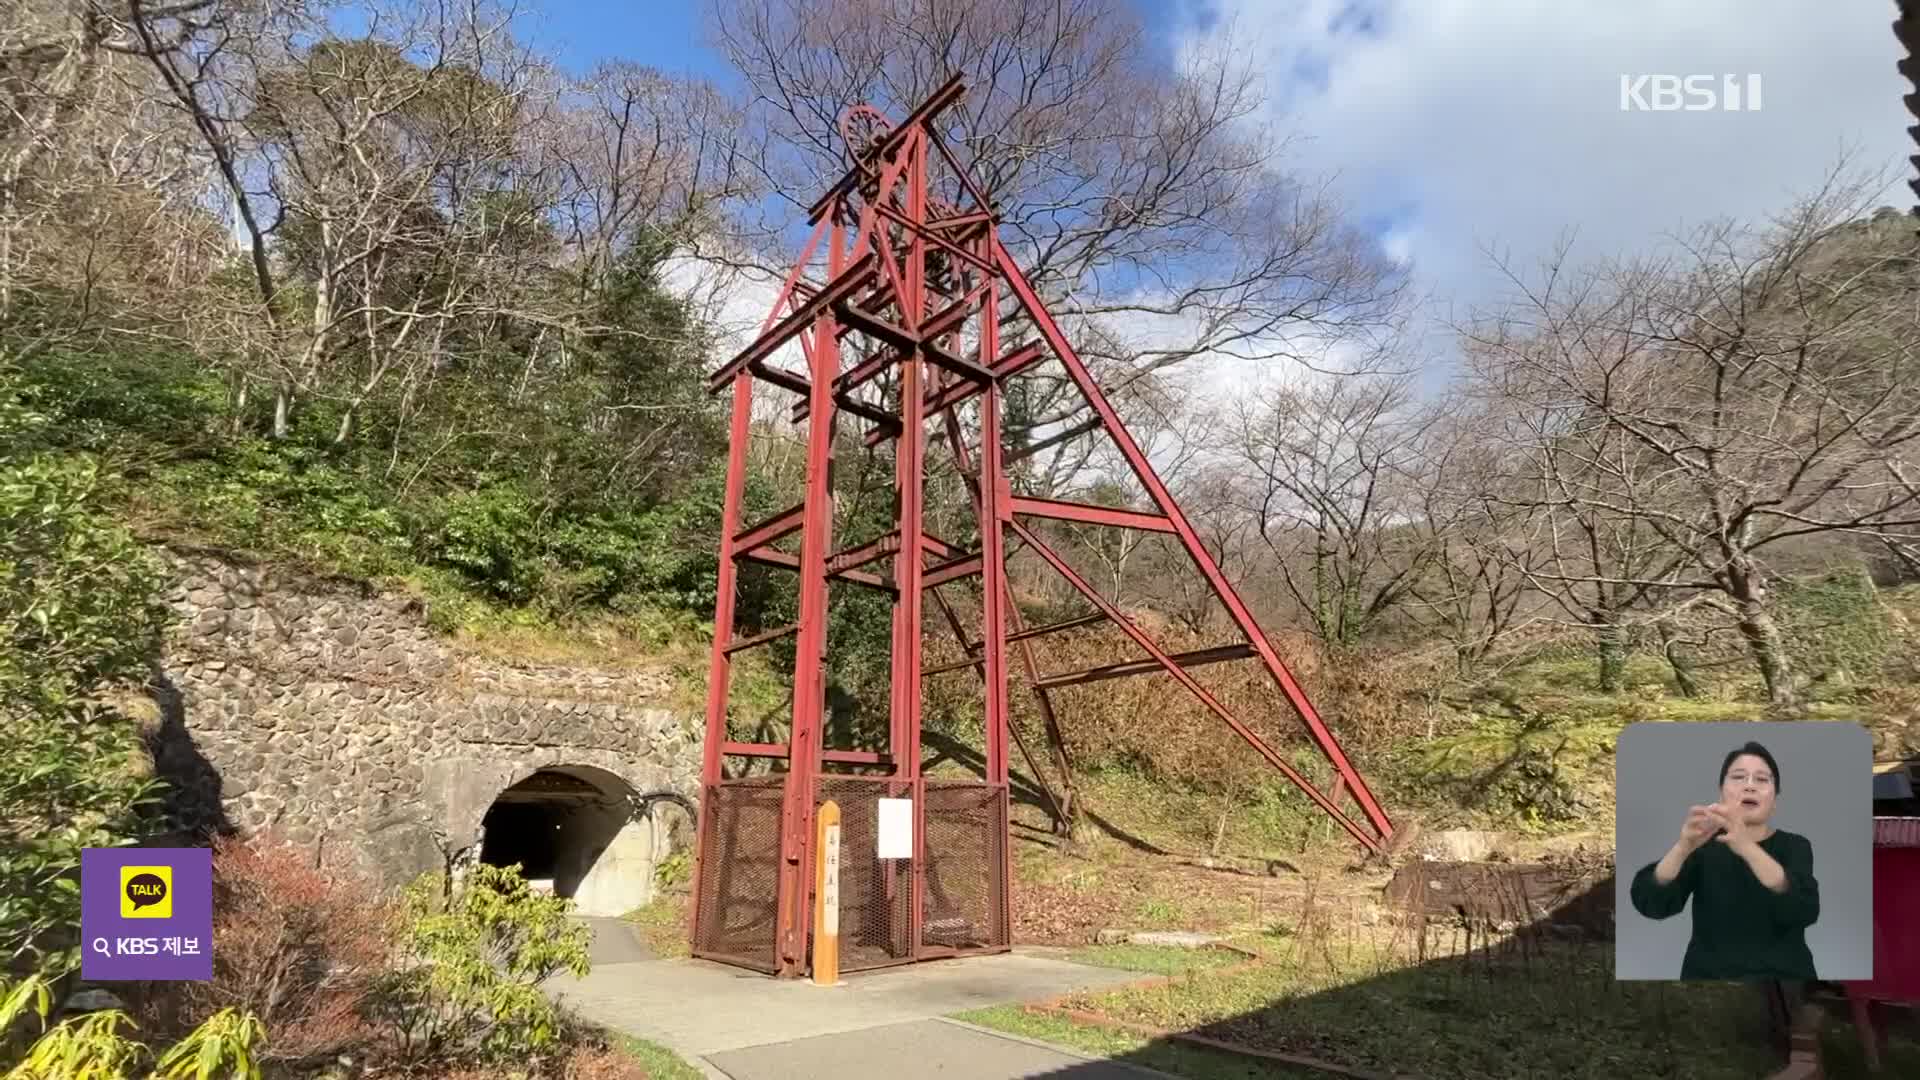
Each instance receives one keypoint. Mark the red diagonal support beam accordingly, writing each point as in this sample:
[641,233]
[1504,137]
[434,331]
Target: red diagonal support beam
[1173,668]
[1144,471]
[761,638]
[1186,660]
[766,532]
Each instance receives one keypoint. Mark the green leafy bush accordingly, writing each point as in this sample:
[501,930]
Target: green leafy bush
[80,613]
[675,870]
[479,953]
[99,1045]
[491,536]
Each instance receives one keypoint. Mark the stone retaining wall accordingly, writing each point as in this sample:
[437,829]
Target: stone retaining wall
[335,717]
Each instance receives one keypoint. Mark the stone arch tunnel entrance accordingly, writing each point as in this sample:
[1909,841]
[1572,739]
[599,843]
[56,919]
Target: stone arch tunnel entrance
[582,833]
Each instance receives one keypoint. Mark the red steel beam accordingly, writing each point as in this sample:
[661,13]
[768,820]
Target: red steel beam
[1144,471]
[785,380]
[779,750]
[947,320]
[775,634]
[1026,754]
[959,365]
[962,665]
[958,220]
[953,570]
[1056,740]
[1050,628]
[844,284]
[1022,635]
[939,548]
[1193,659]
[1010,364]
[1088,514]
[993,516]
[1053,440]
[720,664]
[1173,668]
[871,551]
[852,380]
[942,242]
[766,532]
[909,455]
[890,332]
[805,739]
[767,556]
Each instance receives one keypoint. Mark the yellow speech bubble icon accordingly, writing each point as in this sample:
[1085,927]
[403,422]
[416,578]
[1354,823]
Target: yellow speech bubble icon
[146,892]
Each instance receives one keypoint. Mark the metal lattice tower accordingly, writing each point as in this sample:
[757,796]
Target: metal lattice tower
[904,329]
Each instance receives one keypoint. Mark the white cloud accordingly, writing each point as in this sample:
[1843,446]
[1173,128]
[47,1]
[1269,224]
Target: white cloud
[1467,124]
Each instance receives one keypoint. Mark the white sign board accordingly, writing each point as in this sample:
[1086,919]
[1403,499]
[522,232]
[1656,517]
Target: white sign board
[896,828]
[830,893]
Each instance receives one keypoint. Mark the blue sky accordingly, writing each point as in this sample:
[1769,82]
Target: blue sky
[666,34]
[670,35]
[1456,128]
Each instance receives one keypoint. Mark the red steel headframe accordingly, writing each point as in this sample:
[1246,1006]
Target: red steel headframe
[925,282]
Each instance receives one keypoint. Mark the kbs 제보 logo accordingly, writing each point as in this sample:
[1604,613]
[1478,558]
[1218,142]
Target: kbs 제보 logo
[146,914]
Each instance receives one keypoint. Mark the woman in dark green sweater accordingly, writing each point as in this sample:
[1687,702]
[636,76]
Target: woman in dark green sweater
[1752,885]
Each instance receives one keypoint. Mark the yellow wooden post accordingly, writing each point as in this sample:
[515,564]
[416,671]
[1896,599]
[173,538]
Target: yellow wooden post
[826,912]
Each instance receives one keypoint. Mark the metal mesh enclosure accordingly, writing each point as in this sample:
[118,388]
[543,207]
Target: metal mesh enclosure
[876,894]
[966,837]
[739,886]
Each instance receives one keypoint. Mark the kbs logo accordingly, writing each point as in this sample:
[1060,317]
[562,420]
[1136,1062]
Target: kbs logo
[1689,93]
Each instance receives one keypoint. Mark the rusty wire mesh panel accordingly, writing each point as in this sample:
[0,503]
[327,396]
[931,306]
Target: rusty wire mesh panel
[875,894]
[966,894]
[739,884]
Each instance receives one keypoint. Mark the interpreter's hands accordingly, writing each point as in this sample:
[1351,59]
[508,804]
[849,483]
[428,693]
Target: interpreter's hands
[1737,834]
[1702,822]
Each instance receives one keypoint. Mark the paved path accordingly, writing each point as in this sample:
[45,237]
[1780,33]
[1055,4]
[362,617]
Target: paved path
[615,941]
[934,1048]
[744,1026]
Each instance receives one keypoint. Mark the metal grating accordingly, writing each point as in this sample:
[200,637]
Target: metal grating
[739,872]
[875,894]
[965,850]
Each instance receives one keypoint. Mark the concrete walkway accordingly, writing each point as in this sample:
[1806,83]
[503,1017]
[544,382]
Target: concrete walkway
[744,1026]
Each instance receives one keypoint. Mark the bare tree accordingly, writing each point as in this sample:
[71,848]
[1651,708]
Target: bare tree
[387,183]
[1474,586]
[99,207]
[1756,385]
[1597,566]
[1210,493]
[1333,478]
[651,161]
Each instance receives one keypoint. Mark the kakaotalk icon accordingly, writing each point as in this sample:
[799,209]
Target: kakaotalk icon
[146,914]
